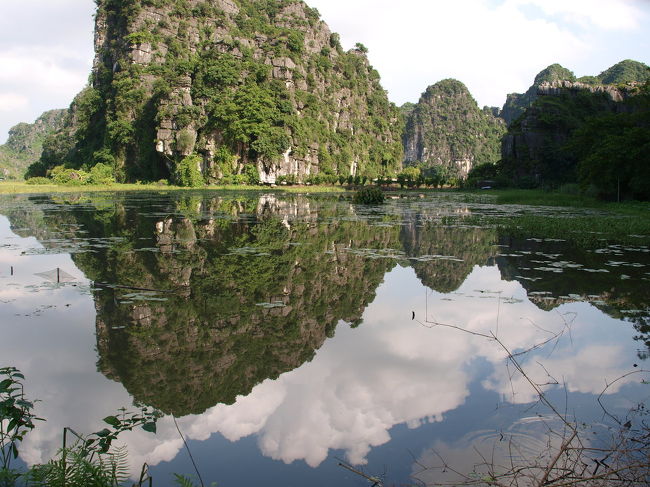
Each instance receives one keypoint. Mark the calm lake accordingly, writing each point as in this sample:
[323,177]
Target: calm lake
[291,333]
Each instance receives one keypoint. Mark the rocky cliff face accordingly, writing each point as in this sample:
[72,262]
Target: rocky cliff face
[556,76]
[534,149]
[447,128]
[25,143]
[251,86]
[517,103]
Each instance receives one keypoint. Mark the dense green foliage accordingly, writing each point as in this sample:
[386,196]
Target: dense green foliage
[25,143]
[485,175]
[447,128]
[613,152]
[624,72]
[583,137]
[554,72]
[187,172]
[369,196]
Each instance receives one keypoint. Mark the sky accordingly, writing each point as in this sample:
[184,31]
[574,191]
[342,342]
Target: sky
[495,47]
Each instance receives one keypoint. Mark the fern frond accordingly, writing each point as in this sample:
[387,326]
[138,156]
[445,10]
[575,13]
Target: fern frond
[119,459]
[183,481]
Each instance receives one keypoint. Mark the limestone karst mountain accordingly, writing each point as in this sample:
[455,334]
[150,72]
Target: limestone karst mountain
[256,89]
[25,143]
[583,131]
[517,103]
[623,72]
[446,128]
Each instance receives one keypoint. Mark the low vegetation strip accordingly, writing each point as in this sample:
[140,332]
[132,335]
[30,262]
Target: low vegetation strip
[558,198]
[586,231]
[625,223]
[11,187]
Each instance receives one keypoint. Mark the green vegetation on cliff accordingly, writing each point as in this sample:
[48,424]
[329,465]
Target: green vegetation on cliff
[597,137]
[626,71]
[25,143]
[447,129]
[256,89]
[613,151]
[516,103]
[584,132]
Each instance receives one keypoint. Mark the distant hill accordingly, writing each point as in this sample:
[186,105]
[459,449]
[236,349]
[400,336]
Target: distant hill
[25,143]
[447,128]
[627,71]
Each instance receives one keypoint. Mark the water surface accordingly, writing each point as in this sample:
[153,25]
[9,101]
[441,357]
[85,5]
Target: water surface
[289,333]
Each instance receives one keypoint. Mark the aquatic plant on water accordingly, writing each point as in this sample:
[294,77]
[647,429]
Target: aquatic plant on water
[369,196]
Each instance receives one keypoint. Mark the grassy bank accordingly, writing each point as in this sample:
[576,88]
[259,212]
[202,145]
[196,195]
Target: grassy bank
[19,187]
[585,231]
[555,198]
[611,222]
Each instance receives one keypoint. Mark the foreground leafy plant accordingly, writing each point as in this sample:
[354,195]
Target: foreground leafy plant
[16,420]
[76,466]
[87,461]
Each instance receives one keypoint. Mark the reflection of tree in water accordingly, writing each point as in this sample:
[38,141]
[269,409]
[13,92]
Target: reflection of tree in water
[642,326]
[556,272]
[444,256]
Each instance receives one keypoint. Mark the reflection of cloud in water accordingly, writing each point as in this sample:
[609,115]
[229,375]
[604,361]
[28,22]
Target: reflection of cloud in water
[527,442]
[391,371]
[587,371]
[56,352]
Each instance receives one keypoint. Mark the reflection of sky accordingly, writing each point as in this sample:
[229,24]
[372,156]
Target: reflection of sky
[48,332]
[361,384]
[477,454]
[391,370]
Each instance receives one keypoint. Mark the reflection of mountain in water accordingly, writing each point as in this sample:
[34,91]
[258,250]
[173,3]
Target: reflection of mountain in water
[258,284]
[256,290]
[444,256]
[253,299]
[556,272]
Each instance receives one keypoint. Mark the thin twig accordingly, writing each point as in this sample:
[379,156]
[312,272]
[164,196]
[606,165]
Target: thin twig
[188,451]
